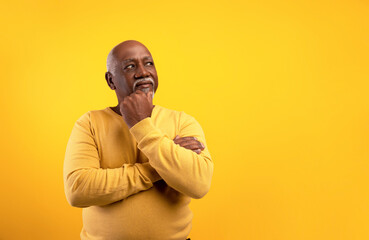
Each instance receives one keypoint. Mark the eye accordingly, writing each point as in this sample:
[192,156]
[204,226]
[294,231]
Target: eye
[149,63]
[130,66]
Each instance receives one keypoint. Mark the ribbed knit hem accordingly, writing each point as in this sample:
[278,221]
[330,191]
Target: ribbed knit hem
[142,128]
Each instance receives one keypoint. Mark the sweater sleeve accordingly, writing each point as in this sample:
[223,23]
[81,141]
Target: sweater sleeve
[86,184]
[182,169]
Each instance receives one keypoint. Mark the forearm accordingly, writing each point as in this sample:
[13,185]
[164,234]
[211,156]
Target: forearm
[97,186]
[182,169]
[87,184]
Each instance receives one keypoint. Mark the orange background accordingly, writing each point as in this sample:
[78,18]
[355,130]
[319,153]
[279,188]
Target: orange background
[279,87]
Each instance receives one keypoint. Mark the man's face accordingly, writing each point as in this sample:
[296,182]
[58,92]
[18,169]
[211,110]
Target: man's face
[134,70]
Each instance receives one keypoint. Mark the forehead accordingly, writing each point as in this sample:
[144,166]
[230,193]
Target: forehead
[131,51]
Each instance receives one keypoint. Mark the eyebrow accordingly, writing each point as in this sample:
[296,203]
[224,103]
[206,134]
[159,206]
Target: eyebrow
[148,57]
[127,60]
[132,59]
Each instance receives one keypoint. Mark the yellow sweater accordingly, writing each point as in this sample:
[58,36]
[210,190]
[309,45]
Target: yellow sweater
[135,183]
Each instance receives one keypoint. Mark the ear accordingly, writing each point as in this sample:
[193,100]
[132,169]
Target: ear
[109,80]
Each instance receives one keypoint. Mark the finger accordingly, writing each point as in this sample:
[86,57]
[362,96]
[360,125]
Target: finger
[126,101]
[191,142]
[176,137]
[149,96]
[192,146]
[139,92]
[127,97]
[194,149]
[183,139]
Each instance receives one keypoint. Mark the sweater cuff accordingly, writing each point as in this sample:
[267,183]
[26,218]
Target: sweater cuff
[142,128]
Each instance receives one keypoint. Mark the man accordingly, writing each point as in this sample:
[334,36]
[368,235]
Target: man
[134,168]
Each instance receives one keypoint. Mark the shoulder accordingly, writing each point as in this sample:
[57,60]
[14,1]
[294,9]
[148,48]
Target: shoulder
[94,117]
[167,111]
[185,121]
[101,113]
[160,110]
[180,117]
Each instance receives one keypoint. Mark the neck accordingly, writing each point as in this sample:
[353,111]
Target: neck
[116,109]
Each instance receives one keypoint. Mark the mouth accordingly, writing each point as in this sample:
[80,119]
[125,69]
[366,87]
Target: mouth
[144,85]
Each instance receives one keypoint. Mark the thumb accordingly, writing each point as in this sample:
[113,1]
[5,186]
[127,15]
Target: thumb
[149,96]
[176,137]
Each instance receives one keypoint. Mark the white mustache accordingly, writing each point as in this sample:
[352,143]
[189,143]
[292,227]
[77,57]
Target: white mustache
[143,80]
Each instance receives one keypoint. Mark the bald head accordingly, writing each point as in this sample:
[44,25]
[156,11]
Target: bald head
[130,67]
[118,53]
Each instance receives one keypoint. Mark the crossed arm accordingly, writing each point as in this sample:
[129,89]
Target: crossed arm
[182,169]
[176,161]
[184,163]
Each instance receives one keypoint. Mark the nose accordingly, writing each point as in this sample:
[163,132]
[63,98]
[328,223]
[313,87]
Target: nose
[141,72]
